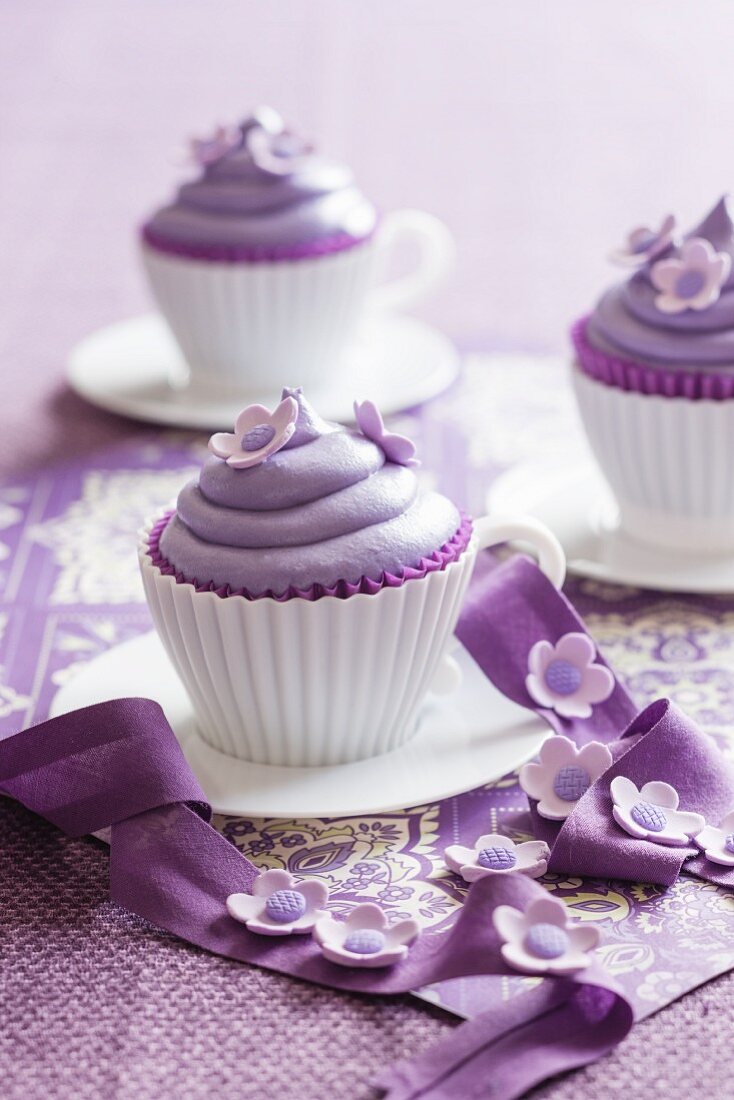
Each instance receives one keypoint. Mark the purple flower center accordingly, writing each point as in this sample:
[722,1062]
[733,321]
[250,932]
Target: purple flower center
[284,906]
[571,782]
[562,677]
[497,858]
[546,941]
[729,843]
[257,437]
[649,817]
[689,283]
[365,941]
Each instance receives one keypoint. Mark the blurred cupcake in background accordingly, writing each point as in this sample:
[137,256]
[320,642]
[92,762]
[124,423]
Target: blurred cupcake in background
[262,264]
[654,380]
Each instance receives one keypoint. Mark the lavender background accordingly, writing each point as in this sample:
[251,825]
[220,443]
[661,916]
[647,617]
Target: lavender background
[539,133]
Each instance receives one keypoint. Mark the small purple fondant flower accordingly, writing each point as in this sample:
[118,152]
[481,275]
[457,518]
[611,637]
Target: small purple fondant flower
[278,905]
[365,939]
[645,244]
[692,282]
[397,448]
[257,434]
[563,775]
[718,844]
[542,940]
[205,151]
[652,813]
[275,150]
[564,678]
[494,854]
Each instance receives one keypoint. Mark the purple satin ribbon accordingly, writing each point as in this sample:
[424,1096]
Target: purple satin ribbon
[118,764]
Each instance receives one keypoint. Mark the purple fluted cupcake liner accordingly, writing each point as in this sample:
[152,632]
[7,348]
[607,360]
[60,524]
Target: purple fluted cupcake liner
[226,253]
[626,374]
[342,589]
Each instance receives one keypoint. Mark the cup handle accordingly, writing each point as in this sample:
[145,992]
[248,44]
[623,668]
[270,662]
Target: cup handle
[436,257]
[490,531]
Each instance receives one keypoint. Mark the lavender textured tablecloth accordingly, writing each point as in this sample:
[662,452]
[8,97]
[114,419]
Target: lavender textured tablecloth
[93,1003]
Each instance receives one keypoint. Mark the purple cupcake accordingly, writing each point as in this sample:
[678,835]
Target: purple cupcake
[306,585]
[262,264]
[654,379]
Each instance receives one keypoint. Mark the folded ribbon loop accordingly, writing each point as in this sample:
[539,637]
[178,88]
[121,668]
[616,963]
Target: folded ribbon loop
[661,745]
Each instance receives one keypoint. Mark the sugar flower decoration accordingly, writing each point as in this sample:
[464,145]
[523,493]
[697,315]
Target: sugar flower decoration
[564,678]
[364,939]
[644,244]
[209,150]
[278,906]
[275,150]
[652,813]
[397,448]
[718,844]
[542,940]
[692,282]
[257,434]
[563,775]
[494,854]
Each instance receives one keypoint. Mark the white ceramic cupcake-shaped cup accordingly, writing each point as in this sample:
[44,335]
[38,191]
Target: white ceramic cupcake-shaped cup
[245,327]
[320,682]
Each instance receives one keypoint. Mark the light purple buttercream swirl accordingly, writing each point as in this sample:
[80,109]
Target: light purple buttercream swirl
[238,210]
[626,321]
[328,507]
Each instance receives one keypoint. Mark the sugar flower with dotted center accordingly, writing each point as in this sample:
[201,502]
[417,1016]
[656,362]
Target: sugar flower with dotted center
[365,939]
[644,244]
[542,940]
[692,282]
[257,434]
[278,905]
[563,774]
[564,678]
[717,844]
[652,813]
[494,854]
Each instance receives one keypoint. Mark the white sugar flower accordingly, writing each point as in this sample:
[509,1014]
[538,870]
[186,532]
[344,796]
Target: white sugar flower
[365,939]
[564,677]
[542,940]
[692,282]
[494,854]
[652,813]
[718,844]
[257,434]
[278,905]
[563,774]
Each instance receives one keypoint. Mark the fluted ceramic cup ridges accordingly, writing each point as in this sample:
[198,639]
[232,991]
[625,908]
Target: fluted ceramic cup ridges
[241,326]
[305,682]
[669,462]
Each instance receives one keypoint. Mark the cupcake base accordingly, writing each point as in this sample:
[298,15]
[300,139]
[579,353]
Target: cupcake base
[668,461]
[313,679]
[252,327]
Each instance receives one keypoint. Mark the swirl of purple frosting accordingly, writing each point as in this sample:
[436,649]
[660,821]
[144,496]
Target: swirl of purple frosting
[327,507]
[626,321]
[238,209]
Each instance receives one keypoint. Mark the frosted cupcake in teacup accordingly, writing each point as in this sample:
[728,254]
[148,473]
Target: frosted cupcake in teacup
[306,586]
[263,263]
[654,379]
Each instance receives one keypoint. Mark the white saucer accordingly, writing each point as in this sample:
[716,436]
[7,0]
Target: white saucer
[127,368]
[466,739]
[578,507]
